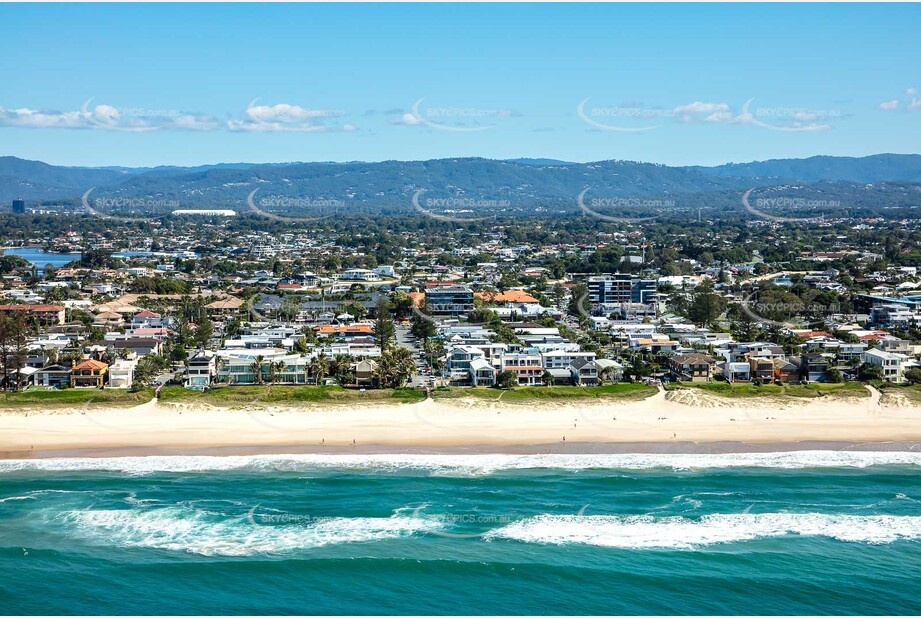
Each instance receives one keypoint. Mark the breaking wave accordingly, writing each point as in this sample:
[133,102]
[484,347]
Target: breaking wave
[467,464]
[647,532]
[209,534]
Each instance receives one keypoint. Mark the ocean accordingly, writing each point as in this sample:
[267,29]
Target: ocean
[815,532]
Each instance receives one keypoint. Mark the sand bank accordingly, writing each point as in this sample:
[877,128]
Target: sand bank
[663,419]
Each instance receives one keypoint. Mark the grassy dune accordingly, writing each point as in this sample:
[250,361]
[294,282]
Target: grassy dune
[522,394]
[807,391]
[74,398]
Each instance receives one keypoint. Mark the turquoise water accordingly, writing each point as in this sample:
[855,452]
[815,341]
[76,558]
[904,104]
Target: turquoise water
[41,258]
[808,532]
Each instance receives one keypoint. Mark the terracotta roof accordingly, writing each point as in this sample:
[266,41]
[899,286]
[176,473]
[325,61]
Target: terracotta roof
[440,283]
[91,364]
[31,308]
[328,329]
[509,296]
[108,315]
[231,302]
[815,333]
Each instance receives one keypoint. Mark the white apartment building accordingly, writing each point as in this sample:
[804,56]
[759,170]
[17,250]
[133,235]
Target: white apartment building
[561,359]
[892,364]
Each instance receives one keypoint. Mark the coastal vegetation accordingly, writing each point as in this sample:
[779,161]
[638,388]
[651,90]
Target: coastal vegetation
[803,391]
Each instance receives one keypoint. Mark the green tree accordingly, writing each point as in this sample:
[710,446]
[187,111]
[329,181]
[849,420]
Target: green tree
[705,306]
[507,379]
[869,372]
[423,326]
[14,332]
[384,330]
[204,331]
[579,304]
[341,369]
[256,367]
[319,367]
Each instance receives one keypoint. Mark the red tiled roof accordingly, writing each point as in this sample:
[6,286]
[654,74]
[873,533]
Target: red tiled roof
[509,296]
[32,308]
[91,364]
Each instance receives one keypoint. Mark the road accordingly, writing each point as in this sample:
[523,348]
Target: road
[405,339]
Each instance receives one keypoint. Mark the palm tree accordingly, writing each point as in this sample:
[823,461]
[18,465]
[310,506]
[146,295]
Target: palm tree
[218,365]
[319,367]
[398,365]
[607,374]
[275,368]
[434,350]
[341,368]
[256,367]
[72,357]
[383,372]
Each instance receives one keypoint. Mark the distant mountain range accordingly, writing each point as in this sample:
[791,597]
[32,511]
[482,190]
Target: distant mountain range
[525,185]
[875,168]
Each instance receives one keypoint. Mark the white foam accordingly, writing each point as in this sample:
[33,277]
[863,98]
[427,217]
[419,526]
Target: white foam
[467,464]
[15,498]
[200,532]
[647,532]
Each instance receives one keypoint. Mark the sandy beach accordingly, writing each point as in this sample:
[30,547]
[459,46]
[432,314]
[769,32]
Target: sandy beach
[682,417]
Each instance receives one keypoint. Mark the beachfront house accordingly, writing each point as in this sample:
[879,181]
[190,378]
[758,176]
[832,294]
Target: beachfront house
[482,373]
[528,367]
[52,376]
[735,371]
[121,373]
[584,372]
[691,367]
[762,369]
[89,373]
[814,368]
[364,371]
[785,371]
[893,365]
[202,369]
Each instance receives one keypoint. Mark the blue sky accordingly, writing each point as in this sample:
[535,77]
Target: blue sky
[146,85]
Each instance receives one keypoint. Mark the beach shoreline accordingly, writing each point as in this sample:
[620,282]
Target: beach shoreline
[574,448]
[666,422]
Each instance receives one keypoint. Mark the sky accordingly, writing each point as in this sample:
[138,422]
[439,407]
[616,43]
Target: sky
[689,84]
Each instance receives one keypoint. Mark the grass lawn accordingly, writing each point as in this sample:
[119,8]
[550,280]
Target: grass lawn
[724,389]
[230,395]
[524,394]
[74,397]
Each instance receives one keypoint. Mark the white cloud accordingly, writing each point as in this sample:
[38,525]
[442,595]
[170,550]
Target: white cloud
[782,119]
[700,111]
[106,117]
[699,107]
[284,117]
[910,106]
[806,127]
[191,122]
[408,119]
[38,119]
